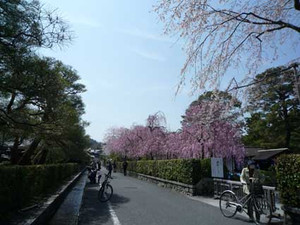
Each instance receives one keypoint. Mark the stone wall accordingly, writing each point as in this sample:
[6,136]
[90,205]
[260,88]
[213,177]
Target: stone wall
[177,186]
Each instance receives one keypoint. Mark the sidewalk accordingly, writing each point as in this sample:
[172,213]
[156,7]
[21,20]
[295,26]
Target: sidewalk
[68,212]
[215,202]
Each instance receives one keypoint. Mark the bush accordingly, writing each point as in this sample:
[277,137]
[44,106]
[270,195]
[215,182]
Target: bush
[288,179]
[205,167]
[205,187]
[19,185]
[188,171]
[270,177]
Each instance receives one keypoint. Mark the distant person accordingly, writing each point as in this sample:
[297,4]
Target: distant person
[98,171]
[98,165]
[92,175]
[250,174]
[115,166]
[93,165]
[125,164]
[109,168]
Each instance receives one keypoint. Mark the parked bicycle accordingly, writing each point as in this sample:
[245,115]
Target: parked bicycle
[106,191]
[260,209]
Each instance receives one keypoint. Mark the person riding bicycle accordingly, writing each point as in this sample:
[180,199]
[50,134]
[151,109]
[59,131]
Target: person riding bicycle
[250,174]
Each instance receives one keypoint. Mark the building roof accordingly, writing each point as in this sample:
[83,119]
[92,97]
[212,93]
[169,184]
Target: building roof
[264,154]
[251,151]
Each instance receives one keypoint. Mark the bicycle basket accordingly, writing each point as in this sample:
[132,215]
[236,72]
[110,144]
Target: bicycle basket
[257,189]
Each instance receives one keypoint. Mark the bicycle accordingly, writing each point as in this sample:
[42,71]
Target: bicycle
[106,191]
[230,204]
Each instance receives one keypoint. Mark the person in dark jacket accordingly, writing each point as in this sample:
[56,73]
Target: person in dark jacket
[109,168]
[92,175]
[125,167]
[115,166]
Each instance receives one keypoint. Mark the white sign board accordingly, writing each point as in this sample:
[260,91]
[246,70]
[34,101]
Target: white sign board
[217,167]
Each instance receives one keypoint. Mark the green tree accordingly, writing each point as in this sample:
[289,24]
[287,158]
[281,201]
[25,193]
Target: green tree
[26,24]
[232,106]
[275,110]
[54,100]
[24,27]
[40,98]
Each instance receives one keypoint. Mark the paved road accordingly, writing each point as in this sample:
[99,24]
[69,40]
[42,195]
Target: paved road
[137,202]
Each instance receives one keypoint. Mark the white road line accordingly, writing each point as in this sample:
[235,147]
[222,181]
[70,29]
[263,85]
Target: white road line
[113,215]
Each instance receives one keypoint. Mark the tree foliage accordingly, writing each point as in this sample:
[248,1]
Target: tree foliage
[226,34]
[275,110]
[207,131]
[26,24]
[211,129]
[40,102]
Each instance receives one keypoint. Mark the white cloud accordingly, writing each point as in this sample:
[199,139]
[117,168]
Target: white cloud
[149,55]
[83,20]
[144,34]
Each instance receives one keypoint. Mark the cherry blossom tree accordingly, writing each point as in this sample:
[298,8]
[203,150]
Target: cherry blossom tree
[208,131]
[139,141]
[155,135]
[229,34]
[116,141]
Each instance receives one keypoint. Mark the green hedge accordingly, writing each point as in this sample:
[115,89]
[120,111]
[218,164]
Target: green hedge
[19,185]
[288,179]
[188,171]
[270,177]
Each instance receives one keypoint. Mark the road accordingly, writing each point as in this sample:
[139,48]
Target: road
[137,202]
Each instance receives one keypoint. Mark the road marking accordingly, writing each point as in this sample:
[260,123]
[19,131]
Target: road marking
[113,215]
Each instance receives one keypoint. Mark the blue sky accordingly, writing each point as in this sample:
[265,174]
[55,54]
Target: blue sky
[129,67]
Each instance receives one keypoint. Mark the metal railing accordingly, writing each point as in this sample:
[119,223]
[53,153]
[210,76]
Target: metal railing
[221,185]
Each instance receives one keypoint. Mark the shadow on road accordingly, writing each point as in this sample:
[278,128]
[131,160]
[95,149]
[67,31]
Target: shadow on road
[245,219]
[95,212]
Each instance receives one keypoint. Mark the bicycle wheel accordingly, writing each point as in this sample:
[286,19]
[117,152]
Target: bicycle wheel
[254,213]
[228,204]
[105,193]
[264,210]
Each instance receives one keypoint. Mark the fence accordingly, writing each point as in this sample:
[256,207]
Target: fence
[221,185]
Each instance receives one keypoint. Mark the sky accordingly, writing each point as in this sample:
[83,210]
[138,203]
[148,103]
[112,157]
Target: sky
[130,68]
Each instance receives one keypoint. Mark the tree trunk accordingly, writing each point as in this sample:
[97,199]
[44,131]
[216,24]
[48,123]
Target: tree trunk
[287,127]
[41,157]
[14,152]
[297,82]
[297,4]
[151,156]
[26,158]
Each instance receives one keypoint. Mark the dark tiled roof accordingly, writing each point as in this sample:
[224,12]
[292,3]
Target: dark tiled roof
[268,153]
[251,151]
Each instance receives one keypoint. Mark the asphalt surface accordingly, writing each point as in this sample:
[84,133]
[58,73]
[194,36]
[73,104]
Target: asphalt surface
[137,202]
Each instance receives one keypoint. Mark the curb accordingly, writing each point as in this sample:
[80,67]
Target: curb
[48,209]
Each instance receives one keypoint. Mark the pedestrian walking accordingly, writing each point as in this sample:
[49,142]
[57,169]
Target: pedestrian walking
[115,166]
[98,165]
[98,171]
[125,167]
[109,167]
